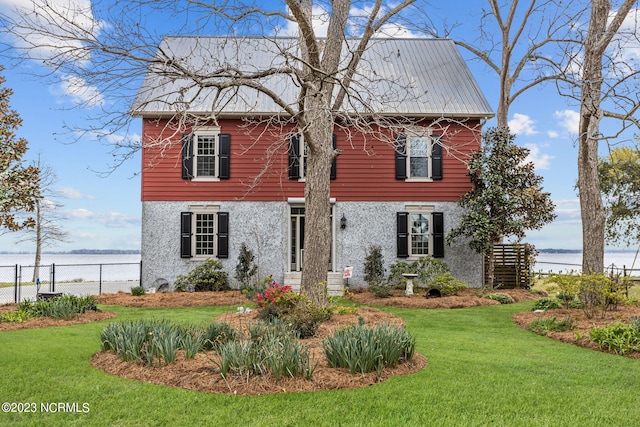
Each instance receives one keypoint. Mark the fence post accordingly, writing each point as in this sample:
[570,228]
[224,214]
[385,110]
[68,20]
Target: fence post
[140,279]
[53,277]
[15,288]
[100,281]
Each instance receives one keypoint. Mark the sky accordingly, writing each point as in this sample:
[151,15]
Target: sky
[103,211]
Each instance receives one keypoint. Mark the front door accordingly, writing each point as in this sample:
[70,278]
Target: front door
[296,231]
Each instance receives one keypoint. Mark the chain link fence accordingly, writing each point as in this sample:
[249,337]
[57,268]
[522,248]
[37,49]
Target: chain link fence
[20,282]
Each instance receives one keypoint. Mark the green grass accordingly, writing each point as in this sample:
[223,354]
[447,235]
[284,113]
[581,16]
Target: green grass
[482,370]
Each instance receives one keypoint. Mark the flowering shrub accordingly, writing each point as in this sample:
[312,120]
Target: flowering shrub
[275,294]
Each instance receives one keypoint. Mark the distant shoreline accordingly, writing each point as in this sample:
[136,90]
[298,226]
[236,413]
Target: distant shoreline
[81,252]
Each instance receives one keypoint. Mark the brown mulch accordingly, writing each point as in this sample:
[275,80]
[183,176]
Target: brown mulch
[201,373]
[580,335]
[465,298]
[174,299]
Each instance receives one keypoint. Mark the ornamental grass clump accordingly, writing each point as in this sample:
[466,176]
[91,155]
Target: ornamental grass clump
[145,341]
[62,307]
[363,349]
[546,325]
[273,349]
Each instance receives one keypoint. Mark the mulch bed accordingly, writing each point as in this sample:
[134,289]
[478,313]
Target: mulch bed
[580,335]
[200,373]
[465,298]
[46,322]
[174,299]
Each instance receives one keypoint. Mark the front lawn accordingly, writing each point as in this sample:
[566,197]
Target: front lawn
[483,370]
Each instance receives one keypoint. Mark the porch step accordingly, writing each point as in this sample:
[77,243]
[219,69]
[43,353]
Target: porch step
[335,286]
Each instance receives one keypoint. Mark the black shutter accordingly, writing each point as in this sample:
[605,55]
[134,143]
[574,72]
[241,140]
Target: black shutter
[402,227]
[401,157]
[333,164]
[187,156]
[223,235]
[438,234]
[294,157]
[224,149]
[436,157]
[185,234]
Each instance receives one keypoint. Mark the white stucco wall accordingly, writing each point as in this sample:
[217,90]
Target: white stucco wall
[263,226]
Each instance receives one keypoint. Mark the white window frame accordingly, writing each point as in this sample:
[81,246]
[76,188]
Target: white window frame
[202,132]
[426,210]
[419,132]
[203,210]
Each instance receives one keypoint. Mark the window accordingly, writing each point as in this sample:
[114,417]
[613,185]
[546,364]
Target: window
[298,158]
[420,232]
[418,156]
[205,155]
[204,233]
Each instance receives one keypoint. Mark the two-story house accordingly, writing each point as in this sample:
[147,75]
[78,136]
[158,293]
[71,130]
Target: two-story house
[210,184]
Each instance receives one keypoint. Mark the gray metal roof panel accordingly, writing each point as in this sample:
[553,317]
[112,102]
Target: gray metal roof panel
[413,77]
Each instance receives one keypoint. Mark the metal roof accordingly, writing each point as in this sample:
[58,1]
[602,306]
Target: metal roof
[416,77]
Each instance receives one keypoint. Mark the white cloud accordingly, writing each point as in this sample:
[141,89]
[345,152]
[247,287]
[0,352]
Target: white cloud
[553,134]
[521,124]
[72,193]
[108,219]
[319,19]
[52,28]
[541,161]
[80,92]
[80,213]
[569,120]
[320,22]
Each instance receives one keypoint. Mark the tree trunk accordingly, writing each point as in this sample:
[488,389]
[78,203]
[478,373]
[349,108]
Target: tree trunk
[317,238]
[591,207]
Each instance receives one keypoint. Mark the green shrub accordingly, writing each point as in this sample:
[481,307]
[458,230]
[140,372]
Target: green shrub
[374,270]
[246,268]
[217,334]
[447,284]
[546,303]
[14,317]
[427,268]
[381,291]
[568,286]
[501,298]
[138,291]
[62,307]
[208,276]
[545,325]
[619,338]
[363,349]
[599,292]
[305,319]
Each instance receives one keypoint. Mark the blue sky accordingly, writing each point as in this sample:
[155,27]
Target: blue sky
[101,212]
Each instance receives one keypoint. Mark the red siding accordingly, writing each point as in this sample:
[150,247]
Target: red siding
[360,177]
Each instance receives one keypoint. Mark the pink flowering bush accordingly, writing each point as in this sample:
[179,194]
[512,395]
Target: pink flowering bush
[275,294]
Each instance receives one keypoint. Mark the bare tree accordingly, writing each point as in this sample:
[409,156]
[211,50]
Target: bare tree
[106,47]
[515,40]
[47,231]
[603,80]
[546,41]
